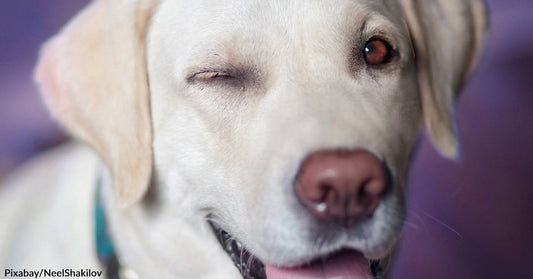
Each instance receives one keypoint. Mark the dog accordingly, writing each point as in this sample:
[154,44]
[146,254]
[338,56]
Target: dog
[237,139]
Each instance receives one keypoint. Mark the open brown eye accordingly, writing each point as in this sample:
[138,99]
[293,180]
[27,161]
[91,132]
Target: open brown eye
[377,52]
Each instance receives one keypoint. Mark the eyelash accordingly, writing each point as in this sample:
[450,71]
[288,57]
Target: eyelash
[217,78]
[211,75]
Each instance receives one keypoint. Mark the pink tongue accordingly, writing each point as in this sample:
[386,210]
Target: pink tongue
[348,265]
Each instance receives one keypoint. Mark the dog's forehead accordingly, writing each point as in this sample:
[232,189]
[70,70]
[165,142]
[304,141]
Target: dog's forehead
[277,17]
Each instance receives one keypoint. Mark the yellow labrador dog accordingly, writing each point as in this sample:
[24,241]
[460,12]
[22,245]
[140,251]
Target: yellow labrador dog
[230,139]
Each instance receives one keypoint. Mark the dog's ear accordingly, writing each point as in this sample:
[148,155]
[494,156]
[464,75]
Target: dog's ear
[447,36]
[93,79]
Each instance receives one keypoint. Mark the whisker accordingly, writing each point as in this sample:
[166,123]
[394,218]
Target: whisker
[443,224]
[419,218]
[410,224]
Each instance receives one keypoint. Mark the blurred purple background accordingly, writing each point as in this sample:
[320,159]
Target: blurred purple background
[467,219]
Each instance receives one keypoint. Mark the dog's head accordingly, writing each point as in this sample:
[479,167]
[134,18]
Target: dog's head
[290,124]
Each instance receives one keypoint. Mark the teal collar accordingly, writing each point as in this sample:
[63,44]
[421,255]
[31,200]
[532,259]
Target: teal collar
[104,245]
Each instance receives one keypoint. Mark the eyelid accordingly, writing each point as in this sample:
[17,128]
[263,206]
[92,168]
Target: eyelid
[210,74]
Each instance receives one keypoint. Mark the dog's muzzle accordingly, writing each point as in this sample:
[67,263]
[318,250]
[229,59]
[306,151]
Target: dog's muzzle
[340,188]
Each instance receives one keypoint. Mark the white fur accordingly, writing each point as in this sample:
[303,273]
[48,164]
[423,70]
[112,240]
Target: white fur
[230,151]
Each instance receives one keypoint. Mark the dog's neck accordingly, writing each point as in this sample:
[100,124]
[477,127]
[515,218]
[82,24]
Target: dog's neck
[156,241]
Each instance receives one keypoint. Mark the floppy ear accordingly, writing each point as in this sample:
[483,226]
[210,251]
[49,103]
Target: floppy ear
[447,36]
[93,79]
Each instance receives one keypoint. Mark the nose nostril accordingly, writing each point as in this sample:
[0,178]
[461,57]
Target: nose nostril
[362,190]
[329,194]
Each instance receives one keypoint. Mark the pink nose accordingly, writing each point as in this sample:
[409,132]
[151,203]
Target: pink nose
[341,186]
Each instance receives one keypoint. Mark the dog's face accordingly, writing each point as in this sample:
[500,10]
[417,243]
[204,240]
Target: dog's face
[243,93]
[239,106]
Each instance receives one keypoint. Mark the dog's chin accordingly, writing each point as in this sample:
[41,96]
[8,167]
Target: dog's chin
[342,264]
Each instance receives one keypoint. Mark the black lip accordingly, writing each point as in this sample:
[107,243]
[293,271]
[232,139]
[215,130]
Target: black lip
[250,266]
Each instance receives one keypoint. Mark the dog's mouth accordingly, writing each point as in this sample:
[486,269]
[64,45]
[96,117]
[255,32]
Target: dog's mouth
[345,264]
